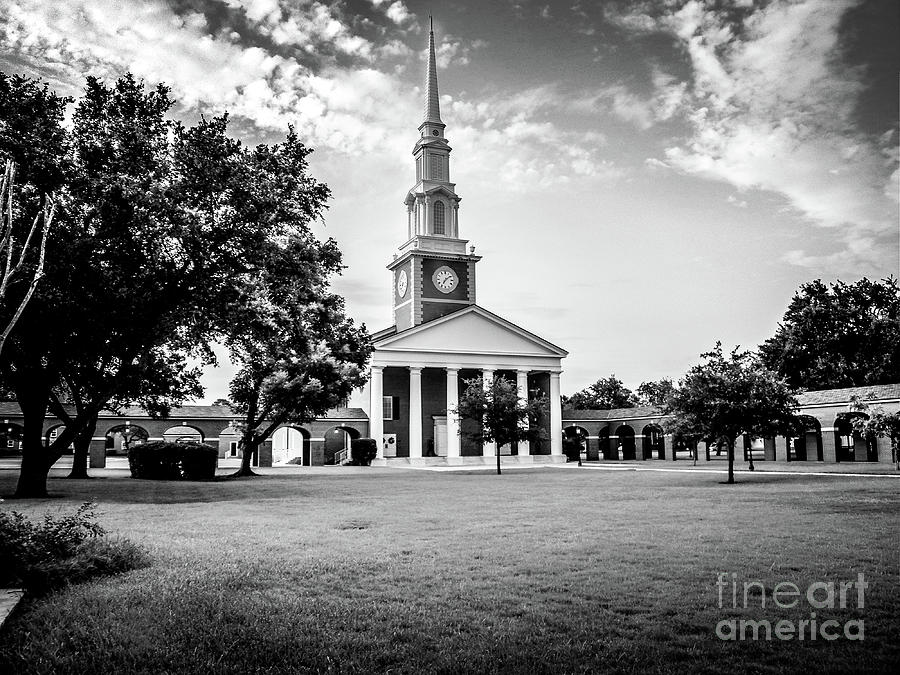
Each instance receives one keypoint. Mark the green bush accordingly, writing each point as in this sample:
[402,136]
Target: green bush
[363,451]
[173,461]
[40,556]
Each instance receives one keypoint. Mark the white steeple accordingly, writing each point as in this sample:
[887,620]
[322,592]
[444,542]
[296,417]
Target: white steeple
[432,99]
[433,273]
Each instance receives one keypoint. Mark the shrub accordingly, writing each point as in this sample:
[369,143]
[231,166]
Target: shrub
[363,451]
[173,461]
[43,555]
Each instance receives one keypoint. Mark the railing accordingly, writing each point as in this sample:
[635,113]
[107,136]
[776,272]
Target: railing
[340,457]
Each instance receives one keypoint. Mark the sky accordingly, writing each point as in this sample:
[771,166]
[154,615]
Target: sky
[642,179]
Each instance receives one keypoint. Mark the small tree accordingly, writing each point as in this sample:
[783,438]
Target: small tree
[505,417]
[727,396]
[877,422]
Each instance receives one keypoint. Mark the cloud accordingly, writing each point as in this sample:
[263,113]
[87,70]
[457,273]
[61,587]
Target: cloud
[511,137]
[345,109]
[771,106]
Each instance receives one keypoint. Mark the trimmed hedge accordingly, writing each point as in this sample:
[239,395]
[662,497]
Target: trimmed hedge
[363,451]
[173,461]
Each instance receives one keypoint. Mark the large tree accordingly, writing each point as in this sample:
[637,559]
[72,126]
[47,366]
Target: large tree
[21,254]
[606,393]
[130,273]
[729,395]
[845,335]
[298,354]
[148,256]
[501,416]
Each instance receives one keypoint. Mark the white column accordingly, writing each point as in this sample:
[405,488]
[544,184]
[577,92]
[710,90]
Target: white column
[488,449]
[429,225]
[453,445]
[376,415]
[555,416]
[415,411]
[420,215]
[522,386]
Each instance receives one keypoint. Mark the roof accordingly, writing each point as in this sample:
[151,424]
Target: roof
[615,414]
[11,409]
[345,414]
[391,334]
[432,100]
[878,392]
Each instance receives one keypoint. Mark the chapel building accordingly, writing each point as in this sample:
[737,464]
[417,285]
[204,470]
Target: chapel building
[441,338]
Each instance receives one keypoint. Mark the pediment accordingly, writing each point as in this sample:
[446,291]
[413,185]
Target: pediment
[472,330]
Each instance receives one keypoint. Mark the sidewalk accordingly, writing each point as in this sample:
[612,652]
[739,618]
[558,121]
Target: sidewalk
[9,598]
[761,467]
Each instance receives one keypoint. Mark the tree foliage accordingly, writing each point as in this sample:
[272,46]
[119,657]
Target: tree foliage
[505,417]
[875,421]
[164,234]
[729,395]
[655,393]
[297,352]
[607,393]
[845,335]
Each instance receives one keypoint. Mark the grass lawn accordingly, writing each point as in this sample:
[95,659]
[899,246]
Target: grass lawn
[557,570]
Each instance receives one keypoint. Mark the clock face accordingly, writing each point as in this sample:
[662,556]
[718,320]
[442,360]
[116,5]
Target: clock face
[445,279]
[402,283]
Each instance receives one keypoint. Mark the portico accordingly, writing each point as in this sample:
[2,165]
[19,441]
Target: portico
[418,375]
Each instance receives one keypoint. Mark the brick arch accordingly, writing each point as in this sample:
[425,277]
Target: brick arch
[11,433]
[579,433]
[806,443]
[295,455]
[653,444]
[625,442]
[850,445]
[336,443]
[136,434]
[184,425]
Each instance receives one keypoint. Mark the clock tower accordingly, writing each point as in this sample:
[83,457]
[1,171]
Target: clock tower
[433,274]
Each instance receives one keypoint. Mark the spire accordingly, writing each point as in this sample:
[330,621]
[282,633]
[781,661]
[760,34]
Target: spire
[432,103]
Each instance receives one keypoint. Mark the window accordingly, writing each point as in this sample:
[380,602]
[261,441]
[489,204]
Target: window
[390,407]
[439,218]
[437,167]
[10,443]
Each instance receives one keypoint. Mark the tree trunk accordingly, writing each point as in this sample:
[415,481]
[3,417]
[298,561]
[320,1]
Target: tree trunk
[82,450]
[498,459]
[250,446]
[35,457]
[730,462]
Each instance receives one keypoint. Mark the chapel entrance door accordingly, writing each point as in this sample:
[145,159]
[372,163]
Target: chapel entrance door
[440,435]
